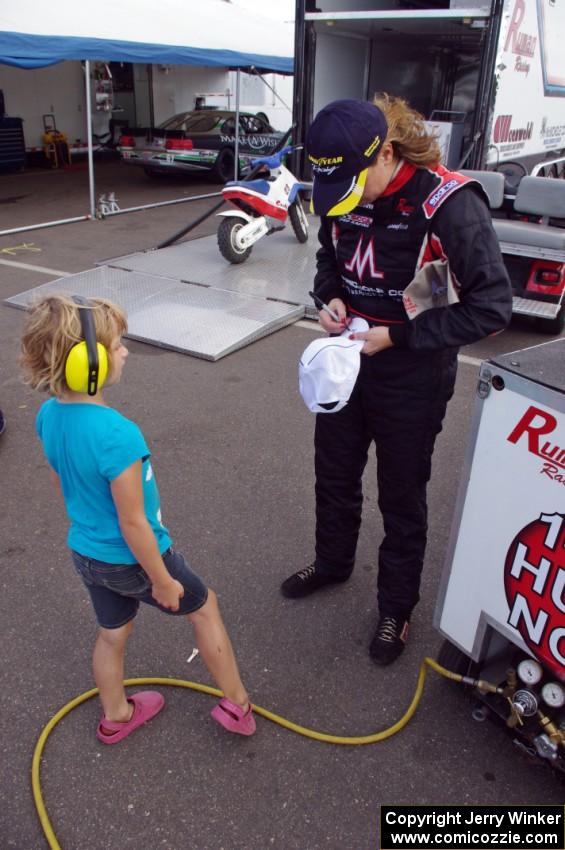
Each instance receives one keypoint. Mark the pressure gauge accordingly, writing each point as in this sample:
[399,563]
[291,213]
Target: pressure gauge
[530,671]
[553,695]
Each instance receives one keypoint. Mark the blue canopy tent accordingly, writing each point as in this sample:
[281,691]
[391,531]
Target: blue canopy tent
[213,33]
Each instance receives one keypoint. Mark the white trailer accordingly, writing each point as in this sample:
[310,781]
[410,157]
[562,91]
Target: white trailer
[489,77]
[489,74]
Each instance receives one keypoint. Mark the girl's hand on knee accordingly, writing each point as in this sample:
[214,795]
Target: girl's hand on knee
[169,594]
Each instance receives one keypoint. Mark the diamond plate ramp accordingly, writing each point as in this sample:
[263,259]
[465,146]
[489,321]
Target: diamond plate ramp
[204,322]
[279,267]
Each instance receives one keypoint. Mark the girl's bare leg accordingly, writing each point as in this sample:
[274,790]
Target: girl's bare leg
[108,668]
[216,650]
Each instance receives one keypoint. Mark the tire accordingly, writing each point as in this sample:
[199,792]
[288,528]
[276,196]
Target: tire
[223,169]
[453,659]
[298,220]
[513,173]
[553,327]
[226,240]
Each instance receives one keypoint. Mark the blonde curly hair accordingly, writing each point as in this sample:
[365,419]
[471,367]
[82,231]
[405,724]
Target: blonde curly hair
[51,329]
[407,132]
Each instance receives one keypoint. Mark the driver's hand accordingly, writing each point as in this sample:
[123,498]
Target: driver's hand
[326,321]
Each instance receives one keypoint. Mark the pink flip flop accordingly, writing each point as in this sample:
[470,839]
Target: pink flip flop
[146,704]
[233,718]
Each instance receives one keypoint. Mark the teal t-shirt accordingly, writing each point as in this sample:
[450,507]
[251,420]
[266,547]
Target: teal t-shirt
[88,446]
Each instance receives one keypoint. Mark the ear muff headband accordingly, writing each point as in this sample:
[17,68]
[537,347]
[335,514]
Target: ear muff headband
[86,367]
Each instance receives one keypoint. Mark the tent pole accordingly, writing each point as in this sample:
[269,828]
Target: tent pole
[89,138]
[264,81]
[237,91]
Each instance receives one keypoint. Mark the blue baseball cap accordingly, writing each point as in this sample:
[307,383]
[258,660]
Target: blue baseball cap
[343,140]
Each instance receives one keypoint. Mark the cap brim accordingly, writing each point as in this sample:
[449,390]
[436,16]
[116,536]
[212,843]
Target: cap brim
[337,198]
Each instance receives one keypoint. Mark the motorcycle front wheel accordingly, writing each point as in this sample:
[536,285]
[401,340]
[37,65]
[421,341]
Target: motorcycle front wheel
[298,220]
[227,240]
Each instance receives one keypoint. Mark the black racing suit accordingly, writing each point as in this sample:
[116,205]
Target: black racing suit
[367,258]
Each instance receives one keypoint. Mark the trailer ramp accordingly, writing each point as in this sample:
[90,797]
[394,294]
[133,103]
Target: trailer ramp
[195,319]
[278,269]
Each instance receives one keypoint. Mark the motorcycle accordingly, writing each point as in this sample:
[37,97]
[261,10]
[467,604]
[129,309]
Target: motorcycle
[263,206]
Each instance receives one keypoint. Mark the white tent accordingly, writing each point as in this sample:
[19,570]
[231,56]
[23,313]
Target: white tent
[174,32]
[213,33]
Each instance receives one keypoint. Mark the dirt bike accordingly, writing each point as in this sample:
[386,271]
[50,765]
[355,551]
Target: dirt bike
[263,206]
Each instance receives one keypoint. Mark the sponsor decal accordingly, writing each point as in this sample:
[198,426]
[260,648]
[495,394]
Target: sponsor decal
[551,135]
[504,132]
[438,196]
[254,141]
[404,207]
[532,431]
[521,66]
[519,43]
[325,169]
[355,218]
[373,146]
[326,160]
[355,288]
[398,226]
[434,200]
[364,258]
[534,584]
[358,289]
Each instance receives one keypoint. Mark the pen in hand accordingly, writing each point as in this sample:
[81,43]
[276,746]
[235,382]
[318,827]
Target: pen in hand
[321,305]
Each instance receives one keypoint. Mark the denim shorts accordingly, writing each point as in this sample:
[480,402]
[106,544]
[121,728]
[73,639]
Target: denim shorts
[117,589]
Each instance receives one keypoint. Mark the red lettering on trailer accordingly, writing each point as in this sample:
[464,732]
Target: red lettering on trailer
[501,129]
[519,42]
[503,132]
[535,423]
[514,28]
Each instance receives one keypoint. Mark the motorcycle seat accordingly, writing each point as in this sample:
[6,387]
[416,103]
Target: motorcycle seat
[260,186]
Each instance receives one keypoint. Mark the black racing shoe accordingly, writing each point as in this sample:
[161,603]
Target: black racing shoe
[389,640]
[307,581]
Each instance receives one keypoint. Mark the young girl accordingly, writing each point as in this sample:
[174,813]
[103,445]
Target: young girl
[120,548]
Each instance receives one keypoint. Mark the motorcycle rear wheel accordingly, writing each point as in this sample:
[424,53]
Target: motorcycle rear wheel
[229,249]
[298,220]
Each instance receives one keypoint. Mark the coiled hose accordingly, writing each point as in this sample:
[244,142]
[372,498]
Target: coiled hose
[263,712]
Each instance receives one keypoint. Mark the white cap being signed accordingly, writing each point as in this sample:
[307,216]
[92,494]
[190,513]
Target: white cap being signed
[328,369]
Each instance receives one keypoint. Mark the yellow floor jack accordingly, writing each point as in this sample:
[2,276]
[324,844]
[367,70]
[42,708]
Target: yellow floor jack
[55,144]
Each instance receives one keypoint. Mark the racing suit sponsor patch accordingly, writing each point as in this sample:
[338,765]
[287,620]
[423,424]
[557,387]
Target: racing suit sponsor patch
[450,182]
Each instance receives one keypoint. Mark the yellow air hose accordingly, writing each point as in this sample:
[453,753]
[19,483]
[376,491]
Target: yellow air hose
[269,715]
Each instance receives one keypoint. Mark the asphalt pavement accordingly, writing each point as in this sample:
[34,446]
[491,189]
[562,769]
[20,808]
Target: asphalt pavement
[232,449]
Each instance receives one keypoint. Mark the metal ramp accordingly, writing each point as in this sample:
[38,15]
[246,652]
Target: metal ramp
[192,318]
[279,268]
[541,309]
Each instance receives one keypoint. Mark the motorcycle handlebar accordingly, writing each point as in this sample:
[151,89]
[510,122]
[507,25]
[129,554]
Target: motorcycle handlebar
[280,150]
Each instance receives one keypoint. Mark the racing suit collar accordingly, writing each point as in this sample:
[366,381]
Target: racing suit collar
[402,177]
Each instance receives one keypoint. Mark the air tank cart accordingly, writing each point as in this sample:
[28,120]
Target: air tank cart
[501,605]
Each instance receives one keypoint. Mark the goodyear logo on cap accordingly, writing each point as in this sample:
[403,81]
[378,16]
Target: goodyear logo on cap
[326,160]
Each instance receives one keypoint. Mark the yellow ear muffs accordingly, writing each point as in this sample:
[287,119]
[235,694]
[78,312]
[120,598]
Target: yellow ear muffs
[77,367]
